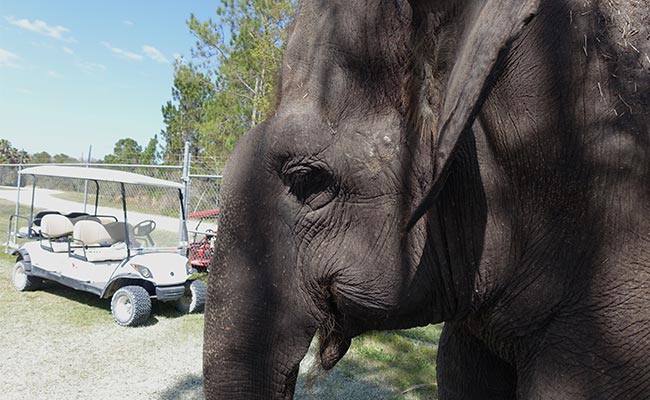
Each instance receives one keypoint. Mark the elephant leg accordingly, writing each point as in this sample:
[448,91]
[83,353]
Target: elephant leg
[468,370]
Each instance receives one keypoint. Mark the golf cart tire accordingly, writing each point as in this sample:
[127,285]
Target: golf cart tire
[131,306]
[23,282]
[193,300]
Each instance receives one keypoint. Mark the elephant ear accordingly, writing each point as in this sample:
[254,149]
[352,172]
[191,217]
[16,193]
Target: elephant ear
[487,37]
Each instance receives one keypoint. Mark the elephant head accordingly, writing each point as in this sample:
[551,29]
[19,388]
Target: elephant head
[321,229]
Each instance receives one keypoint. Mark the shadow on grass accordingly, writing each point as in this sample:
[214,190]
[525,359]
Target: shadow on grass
[79,296]
[165,309]
[342,383]
[379,366]
[335,385]
[188,387]
[158,308]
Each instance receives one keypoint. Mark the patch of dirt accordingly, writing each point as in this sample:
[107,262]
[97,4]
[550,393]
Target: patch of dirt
[49,351]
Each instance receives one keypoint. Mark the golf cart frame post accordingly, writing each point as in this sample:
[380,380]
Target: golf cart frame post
[126,229]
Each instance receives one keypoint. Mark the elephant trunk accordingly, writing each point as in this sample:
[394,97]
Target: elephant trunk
[259,319]
[255,335]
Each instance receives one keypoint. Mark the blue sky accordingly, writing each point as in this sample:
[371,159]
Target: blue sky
[79,73]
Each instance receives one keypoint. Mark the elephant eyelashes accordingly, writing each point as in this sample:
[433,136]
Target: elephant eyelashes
[311,185]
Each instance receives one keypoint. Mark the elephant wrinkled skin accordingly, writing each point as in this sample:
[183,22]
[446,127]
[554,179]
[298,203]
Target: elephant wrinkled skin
[482,163]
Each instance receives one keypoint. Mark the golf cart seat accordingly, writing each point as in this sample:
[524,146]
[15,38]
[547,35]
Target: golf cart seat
[56,228]
[84,218]
[118,232]
[24,232]
[90,233]
[96,242]
[38,218]
[75,215]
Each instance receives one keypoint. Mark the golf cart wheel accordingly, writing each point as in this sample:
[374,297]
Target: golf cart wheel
[131,306]
[21,281]
[194,298]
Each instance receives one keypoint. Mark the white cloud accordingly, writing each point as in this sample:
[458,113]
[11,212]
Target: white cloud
[155,54]
[122,52]
[24,91]
[8,59]
[127,22]
[68,50]
[41,27]
[90,68]
[54,74]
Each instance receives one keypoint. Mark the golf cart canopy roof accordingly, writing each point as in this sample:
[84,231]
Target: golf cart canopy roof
[98,174]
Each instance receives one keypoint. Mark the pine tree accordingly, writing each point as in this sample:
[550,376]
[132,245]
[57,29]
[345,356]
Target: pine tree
[227,87]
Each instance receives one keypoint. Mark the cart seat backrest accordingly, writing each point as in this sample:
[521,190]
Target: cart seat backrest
[55,226]
[117,231]
[39,216]
[84,218]
[76,215]
[91,233]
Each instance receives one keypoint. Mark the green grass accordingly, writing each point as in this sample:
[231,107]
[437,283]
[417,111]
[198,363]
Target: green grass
[427,334]
[401,363]
[52,303]
[377,366]
[59,305]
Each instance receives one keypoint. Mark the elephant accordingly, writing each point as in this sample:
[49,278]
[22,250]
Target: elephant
[480,163]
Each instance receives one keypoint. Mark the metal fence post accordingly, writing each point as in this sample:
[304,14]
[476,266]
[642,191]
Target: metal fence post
[186,182]
[18,185]
[90,149]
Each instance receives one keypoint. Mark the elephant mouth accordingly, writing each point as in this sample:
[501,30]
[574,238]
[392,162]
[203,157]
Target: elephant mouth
[333,342]
[334,336]
[343,320]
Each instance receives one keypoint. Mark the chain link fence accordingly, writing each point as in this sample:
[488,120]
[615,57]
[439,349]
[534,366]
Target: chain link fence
[201,191]
[204,193]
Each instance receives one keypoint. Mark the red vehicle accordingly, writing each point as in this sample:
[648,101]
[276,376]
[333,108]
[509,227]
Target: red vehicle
[201,250]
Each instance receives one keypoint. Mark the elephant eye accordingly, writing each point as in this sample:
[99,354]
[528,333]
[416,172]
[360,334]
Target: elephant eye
[311,185]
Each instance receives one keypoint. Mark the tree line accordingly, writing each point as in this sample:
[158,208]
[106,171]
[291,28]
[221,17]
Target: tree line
[11,155]
[126,151]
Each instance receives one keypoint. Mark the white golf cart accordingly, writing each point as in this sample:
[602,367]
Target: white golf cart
[101,252]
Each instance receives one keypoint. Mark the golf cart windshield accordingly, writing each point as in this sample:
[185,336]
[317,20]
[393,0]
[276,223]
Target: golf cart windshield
[108,206]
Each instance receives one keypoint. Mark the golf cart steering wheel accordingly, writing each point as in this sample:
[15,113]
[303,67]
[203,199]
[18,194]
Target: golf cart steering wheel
[144,229]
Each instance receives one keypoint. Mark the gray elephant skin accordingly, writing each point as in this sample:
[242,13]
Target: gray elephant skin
[482,163]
